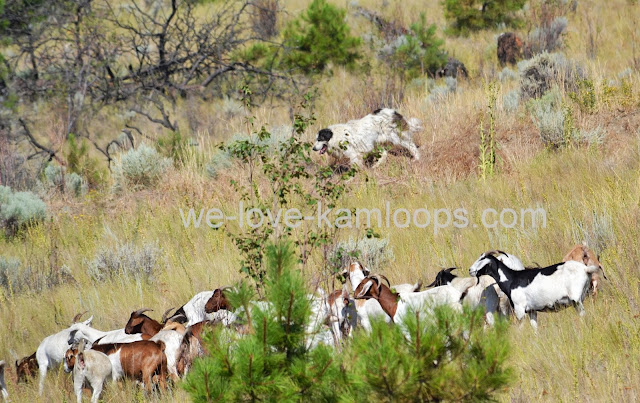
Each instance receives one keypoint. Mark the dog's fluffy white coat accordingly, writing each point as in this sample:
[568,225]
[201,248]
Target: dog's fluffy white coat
[356,138]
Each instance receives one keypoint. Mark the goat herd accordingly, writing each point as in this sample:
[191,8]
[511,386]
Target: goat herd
[150,351]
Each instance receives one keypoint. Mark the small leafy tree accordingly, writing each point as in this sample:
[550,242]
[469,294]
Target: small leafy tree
[419,52]
[466,16]
[319,37]
[277,179]
[430,357]
[273,363]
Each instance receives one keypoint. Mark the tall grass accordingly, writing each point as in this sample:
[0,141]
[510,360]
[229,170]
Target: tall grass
[590,194]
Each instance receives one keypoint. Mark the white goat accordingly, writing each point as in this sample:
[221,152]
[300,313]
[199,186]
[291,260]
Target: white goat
[50,352]
[82,331]
[91,366]
[3,385]
[536,290]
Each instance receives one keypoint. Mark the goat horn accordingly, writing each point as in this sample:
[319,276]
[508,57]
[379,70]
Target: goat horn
[450,269]
[78,316]
[143,310]
[166,314]
[379,278]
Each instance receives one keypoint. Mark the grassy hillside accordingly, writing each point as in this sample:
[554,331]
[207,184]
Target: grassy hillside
[589,192]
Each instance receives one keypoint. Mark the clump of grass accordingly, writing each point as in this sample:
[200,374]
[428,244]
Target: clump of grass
[17,280]
[127,260]
[139,168]
[441,92]
[598,232]
[374,253]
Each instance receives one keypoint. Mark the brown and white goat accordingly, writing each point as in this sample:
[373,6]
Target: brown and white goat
[397,305]
[582,254]
[26,368]
[141,360]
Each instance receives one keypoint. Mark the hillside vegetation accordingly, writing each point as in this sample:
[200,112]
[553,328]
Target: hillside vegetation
[113,238]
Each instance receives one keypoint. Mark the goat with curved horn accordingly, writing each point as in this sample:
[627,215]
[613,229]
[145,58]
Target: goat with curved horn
[78,316]
[165,315]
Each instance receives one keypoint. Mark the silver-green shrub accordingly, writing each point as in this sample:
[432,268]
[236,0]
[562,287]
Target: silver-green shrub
[18,209]
[139,168]
[374,253]
[126,260]
[540,73]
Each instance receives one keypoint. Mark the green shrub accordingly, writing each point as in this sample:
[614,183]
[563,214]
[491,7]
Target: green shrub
[17,209]
[418,53]
[126,260]
[444,356]
[466,16]
[139,168]
[272,363]
[319,37]
[374,253]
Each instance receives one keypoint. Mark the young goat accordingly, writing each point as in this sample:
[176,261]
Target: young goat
[3,386]
[397,305]
[87,365]
[534,290]
[580,253]
[50,352]
[26,368]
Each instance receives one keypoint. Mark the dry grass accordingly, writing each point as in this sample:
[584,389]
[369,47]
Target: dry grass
[594,358]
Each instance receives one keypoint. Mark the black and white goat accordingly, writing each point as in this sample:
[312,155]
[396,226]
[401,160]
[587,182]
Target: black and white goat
[534,290]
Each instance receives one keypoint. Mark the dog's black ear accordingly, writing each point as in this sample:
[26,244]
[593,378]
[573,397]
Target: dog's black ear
[325,135]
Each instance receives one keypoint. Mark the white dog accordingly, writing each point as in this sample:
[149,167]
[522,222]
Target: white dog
[356,138]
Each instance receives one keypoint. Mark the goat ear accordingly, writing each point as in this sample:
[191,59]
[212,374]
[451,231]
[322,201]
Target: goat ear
[88,321]
[365,289]
[365,270]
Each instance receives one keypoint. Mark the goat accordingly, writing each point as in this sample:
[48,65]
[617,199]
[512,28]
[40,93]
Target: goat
[481,291]
[580,253]
[397,305]
[510,261]
[51,350]
[534,290]
[356,272]
[139,360]
[26,367]
[90,365]
[171,335]
[191,346]
[194,311]
[3,386]
[141,323]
